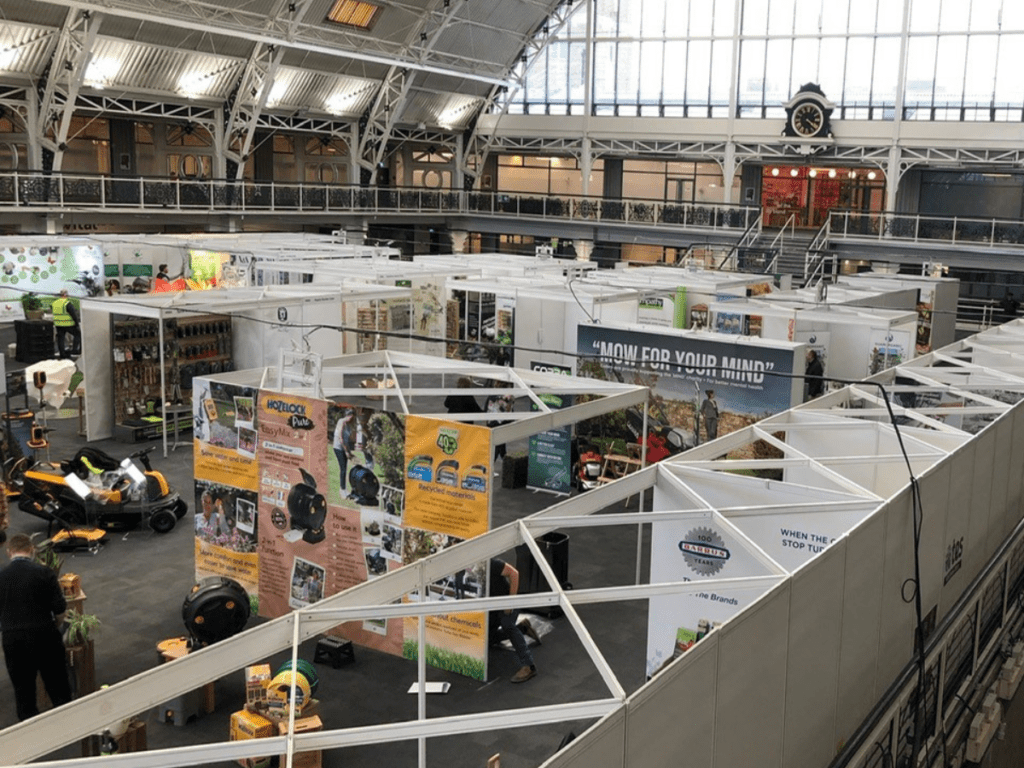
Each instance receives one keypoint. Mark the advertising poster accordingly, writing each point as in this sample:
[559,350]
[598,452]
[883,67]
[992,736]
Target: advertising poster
[292,453]
[365,497]
[550,456]
[697,550]
[447,476]
[657,311]
[679,309]
[680,369]
[505,328]
[429,317]
[47,269]
[888,348]
[226,515]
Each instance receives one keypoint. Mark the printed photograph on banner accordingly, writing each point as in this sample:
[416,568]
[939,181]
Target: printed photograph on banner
[307,583]
[456,642]
[373,525]
[247,442]
[217,516]
[701,388]
[245,515]
[376,564]
[391,542]
[245,412]
[392,501]
[367,448]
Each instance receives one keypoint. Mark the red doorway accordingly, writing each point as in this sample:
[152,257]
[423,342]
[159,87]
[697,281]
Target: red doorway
[809,193]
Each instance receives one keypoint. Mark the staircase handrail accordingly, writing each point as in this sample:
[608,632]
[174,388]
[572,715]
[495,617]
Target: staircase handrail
[817,254]
[750,236]
[778,242]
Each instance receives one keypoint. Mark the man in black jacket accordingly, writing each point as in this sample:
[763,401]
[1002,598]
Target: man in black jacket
[32,604]
[813,375]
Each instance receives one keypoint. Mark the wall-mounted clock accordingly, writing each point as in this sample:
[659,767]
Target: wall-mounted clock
[808,114]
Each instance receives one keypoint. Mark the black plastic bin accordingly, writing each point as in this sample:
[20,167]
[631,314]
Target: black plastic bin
[555,547]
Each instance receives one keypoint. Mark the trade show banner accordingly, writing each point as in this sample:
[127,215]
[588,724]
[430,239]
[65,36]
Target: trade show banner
[448,474]
[550,455]
[224,450]
[681,368]
[47,269]
[505,328]
[888,348]
[295,557]
[447,489]
[700,549]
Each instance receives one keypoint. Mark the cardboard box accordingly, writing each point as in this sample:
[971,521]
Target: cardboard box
[248,725]
[256,679]
[311,759]
[70,584]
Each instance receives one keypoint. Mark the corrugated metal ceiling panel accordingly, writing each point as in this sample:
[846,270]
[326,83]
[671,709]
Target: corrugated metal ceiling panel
[445,110]
[25,49]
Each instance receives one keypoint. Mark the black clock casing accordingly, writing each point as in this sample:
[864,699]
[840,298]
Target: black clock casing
[809,114]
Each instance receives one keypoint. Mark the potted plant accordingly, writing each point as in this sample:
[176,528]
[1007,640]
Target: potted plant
[81,656]
[33,306]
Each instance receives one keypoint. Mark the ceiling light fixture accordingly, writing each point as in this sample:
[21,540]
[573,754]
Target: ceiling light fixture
[775,171]
[353,13]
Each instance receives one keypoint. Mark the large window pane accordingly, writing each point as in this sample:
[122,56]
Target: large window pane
[776,71]
[721,72]
[755,17]
[981,70]
[651,76]
[627,80]
[606,19]
[698,72]
[808,14]
[536,79]
[831,73]
[805,62]
[949,70]
[1009,85]
[677,15]
[890,17]
[653,19]
[700,19]
[558,74]
[954,16]
[1013,16]
[577,71]
[924,15]
[920,71]
[725,17]
[604,72]
[752,71]
[985,14]
[862,16]
[887,67]
[780,20]
[629,19]
[577,26]
[675,73]
[834,14]
[858,71]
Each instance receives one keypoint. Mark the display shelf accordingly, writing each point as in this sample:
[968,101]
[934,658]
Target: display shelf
[196,346]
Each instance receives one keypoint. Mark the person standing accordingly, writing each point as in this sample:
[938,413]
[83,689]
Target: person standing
[462,403]
[709,412]
[32,606]
[161,272]
[65,320]
[814,375]
[504,581]
[344,442]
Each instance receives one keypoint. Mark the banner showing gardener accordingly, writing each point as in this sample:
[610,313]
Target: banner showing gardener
[292,456]
[226,515]
[707,386]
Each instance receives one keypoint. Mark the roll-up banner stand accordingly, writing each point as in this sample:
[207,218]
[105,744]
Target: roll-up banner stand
[550,456]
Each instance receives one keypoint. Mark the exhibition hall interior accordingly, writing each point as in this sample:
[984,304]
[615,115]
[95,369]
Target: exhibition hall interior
[677,341]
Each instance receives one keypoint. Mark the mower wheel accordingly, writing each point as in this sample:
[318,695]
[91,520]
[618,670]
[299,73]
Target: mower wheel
[180,509]
[162,521]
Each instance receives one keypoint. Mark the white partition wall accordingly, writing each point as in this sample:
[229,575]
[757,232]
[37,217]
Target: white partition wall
[808,641]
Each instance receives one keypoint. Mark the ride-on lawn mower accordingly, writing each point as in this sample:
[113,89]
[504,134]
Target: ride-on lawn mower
[94,488]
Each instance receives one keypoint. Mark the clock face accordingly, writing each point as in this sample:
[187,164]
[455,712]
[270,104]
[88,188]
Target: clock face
[807,119]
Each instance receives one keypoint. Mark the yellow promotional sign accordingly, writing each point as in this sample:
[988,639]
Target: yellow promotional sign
[213,560]
[224,465]
[447,476]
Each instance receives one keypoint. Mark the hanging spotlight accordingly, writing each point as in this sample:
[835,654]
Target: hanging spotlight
[832,173]
[853,174]
[813,172]
[871,175]
[793,172]
[775,171]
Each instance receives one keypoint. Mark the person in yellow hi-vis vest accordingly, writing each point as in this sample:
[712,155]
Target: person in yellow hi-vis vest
[65,321]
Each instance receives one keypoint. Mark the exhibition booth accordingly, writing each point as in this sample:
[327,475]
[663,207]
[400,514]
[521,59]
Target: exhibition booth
[141,353]
[850,341]
[776,601]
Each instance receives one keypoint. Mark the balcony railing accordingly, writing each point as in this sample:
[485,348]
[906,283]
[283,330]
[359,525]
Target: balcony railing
[161,195]
[925,229]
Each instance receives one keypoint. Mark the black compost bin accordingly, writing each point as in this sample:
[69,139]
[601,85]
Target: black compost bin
[555,547]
